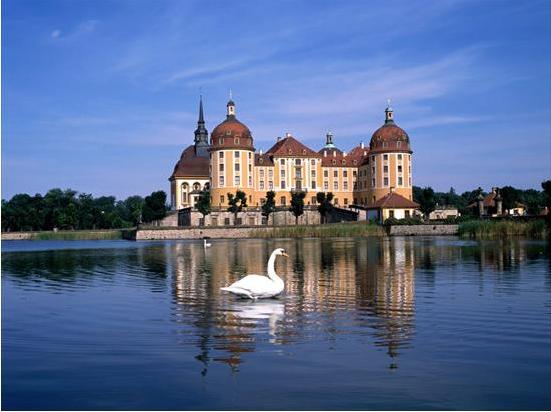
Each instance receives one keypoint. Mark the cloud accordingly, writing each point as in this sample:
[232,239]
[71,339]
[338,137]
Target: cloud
[55,34]
[83,28]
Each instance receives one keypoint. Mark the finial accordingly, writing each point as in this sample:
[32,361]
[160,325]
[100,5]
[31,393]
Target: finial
[230,94]
[388,102]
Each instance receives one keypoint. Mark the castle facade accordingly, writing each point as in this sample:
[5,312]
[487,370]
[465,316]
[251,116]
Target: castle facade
[380,173]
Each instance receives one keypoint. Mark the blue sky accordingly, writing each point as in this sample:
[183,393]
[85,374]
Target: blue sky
[101,96]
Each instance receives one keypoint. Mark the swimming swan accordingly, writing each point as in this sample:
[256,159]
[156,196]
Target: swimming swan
[256,286]
[205,244]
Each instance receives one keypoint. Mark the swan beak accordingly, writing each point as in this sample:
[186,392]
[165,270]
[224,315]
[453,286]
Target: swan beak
[284,254]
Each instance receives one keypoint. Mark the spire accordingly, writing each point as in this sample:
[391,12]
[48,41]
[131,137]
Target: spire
[389,114]
[201,133]
[231,107]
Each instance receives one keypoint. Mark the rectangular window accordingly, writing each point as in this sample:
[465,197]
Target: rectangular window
[385,169]
[236,167]
[313,174]
[399,156]
[283,184]
[344,173]
[221,167]
[386,181]
[313,162]
[297,162]
[271,185]
[407,213]
[250,168]
[336,201]
[283,173]
[355,186]
[313,184]
[335,173]
[298,174]
[270,173]
[385,157]
[325,185]
[222,199]
[261,173]
[282,200]
[250,180]
[354,174]
[400,181]
[325,173]
[335,185]
[261,186]
[237,181]
[250,155]
[391,213]
[345,200]
[373,182]
[221,181]
[221,156]
[282,162]
[345,186]
[236,154]
[399,168]
[373,170]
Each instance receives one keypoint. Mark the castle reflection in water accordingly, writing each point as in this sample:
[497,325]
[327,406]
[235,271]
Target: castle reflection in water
[342,283]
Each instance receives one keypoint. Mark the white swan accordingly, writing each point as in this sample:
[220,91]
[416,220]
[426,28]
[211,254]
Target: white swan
[256,286]
[205,244]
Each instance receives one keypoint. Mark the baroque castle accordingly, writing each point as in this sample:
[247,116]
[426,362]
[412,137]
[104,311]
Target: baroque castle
[369,177]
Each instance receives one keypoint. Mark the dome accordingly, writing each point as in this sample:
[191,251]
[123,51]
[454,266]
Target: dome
[389,137]
[231,133]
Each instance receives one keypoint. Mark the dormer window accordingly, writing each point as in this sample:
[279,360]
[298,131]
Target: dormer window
[334,162]
[355,162]
[261,160]
[344,162]
[236,140]
[398,144]
[304,151]
[220,141]
[290,151]
[228,132]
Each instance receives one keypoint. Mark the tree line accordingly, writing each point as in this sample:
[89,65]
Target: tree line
[534,200]
[69,209]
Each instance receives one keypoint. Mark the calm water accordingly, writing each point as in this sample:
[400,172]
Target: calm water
[405,323]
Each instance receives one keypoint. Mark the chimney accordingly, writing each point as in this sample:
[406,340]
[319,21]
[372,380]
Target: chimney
[362,145]
[325,153]
[278,138]
[287,134]
[260,152]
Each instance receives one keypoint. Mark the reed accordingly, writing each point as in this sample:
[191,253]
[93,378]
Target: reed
[503,228]
[351,229]
[79,235]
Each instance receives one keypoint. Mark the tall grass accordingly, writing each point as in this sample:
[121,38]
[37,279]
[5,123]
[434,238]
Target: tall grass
[79,235]
[328,230]
[503,228]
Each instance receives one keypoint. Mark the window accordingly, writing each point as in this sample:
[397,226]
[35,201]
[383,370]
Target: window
[298,174]
[391,213]
[298,184]
[313,174]
[345,200]
[410,181]
[399,156]
[313,162]
[400,181]
[336,201]
[386,181]
[325,185]
[335,185]
[221,167]
[261,173]
[385,157]
[236,140]
[282,200]
[283,173]
[220,141]
[221,181]
[250,155]
[222,199]
[237,181]
[297,162]
[236,154]
[398,144]
[335,173]
[373,158]
[261,186]
[283,184]
[313,184]
[406,214]
[345,186]
[250,168]
[385,144]
[354,173]
[236,167]
[355,186]
[344,173]
[373,182]
[271,185]
[399,168]
[373,170]
[385,169]
[325,173]
[270,173]
[226,220]
[184,197]
[250,180]
[313,200]
[282,162]
[221,156]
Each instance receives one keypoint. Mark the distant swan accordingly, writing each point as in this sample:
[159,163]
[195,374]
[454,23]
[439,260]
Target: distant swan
[256,286]
[205,244]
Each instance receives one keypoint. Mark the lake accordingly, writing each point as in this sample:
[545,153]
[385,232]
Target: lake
[367,323]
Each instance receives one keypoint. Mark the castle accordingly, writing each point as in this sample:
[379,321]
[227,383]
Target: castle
[369,177]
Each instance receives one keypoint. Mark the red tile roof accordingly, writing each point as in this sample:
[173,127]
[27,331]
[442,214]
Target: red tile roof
[291,147]
[390,138]
[191,165]
[336,158]
[231,134]
[263,160]
[394,200]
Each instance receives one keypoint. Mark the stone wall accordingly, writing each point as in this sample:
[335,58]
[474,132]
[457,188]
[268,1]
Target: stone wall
[249,218]
[18,235]
[420,230]
[198,233]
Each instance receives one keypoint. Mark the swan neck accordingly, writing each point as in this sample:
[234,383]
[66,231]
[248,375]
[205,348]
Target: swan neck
[271,268]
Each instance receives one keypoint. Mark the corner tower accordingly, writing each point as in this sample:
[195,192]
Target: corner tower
[231,159]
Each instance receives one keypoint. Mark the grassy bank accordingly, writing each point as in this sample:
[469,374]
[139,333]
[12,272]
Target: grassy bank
[75,235]
[503,228]
[329,230]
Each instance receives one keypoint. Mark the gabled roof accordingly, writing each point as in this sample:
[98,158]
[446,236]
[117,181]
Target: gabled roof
[394,201]
[336,158]
[291,147]
[191,165]
[263,160]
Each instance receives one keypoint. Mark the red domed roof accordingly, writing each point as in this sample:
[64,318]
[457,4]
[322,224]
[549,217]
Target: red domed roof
[231,134]
[390,138]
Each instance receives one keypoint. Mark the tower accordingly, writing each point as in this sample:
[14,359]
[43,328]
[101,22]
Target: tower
[201,134]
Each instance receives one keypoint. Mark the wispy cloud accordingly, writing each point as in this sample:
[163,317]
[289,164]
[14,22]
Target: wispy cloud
[80,30]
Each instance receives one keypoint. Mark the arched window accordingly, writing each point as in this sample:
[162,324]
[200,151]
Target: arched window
[185,188]
[196,186]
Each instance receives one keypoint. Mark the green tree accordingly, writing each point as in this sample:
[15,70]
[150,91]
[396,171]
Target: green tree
[154,206]
[510,196]
[269,205]
[426,200]
[324,204]
[237,202]
[297,204]
[203,203]
[58,211]
[131,209]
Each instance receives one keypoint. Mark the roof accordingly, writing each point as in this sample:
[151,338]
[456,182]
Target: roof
[390,138]
[191,165]
[263,160]
[336,158]
[291,147]
[231,134]
[394,200]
